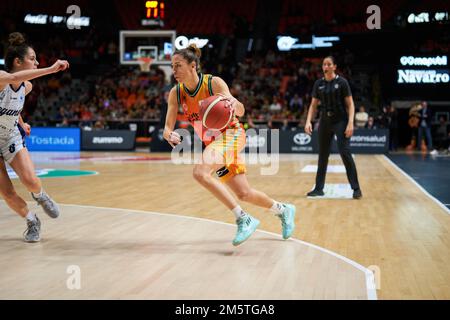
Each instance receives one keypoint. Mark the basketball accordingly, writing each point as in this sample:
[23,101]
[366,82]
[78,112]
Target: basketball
[214,113]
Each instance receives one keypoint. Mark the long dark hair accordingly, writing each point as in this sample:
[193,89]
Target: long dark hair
[18,48]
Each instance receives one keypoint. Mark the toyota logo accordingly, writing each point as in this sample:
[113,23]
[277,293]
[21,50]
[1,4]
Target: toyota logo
[302,139]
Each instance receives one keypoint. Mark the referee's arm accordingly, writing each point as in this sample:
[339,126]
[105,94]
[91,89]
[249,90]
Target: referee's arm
[311,114]
[349,104]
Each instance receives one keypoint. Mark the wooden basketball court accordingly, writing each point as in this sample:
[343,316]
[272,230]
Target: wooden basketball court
[143,229]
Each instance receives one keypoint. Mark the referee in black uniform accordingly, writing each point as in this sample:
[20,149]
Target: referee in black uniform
[337,114]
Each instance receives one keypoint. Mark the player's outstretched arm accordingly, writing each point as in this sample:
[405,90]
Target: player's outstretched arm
[24,75]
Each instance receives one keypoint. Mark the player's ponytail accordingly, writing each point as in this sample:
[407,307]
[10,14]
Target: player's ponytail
[18,48]
[195,50]
[16,39]
[190,54]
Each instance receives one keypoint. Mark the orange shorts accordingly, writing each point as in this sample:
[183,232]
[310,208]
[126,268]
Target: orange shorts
[230,144]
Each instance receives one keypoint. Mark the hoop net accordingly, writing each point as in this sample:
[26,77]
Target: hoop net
[145,63]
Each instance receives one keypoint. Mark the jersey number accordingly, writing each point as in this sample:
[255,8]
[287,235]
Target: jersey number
[12,148]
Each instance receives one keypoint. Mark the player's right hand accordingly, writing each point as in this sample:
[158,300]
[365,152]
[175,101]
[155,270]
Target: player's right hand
[27,128]
[174,139]
[60,65]
[308,128]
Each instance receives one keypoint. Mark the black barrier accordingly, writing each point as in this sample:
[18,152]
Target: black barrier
[367,141]
[158,144]
[260,141]
[297,141]
[189,141]
[363,141]
[292,141]
[110,140]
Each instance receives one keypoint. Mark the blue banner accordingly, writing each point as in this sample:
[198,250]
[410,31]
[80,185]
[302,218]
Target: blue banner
[54,139]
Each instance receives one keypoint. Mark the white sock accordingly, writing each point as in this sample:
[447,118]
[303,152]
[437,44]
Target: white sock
[278,207]
[40,194]
[31,216]
[238,212]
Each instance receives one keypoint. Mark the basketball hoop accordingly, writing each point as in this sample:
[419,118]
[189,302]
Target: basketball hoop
[145,63]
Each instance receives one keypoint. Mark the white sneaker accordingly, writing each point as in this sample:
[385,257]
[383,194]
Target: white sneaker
[50,207]
[434,152]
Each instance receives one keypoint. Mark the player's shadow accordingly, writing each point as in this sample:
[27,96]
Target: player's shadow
[57,246]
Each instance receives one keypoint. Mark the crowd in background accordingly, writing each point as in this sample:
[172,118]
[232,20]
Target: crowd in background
[274,88]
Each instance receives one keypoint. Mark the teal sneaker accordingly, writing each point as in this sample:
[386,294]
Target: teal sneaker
[246,227]
[288,220]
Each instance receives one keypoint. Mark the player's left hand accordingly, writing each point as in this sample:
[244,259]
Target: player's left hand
[349,130]
[27,128]
[231,101]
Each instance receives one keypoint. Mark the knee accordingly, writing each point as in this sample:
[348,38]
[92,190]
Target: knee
[200,175]
[30,180]
[343,148]
[8,195]
[345,155]
[244,195]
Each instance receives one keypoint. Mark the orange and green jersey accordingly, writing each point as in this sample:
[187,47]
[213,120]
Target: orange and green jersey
[190,104]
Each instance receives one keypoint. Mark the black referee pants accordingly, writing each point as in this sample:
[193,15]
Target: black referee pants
[327,129]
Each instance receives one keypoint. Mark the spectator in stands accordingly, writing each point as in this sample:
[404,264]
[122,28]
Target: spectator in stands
[64,123]
[285,126]
[275,106]
[425,128]
[383,118]
[392,121]
[100,124]
[371,124]
[85,117]
[62,114]
[53,84]
[296,104]
[361,118]
[122,125]
[250,123]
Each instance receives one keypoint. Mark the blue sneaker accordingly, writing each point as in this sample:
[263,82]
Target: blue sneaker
[288,221]
[246,227]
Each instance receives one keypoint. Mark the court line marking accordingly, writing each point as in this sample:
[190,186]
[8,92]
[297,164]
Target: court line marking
[395,166]
[370,278]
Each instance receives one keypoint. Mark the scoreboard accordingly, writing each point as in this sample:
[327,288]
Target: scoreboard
[153,13]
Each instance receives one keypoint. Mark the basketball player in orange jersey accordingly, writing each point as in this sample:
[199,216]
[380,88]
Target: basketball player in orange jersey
[220,154]
[21,66]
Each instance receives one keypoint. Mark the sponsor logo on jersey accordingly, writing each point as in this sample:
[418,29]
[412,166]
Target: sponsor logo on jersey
[9,112]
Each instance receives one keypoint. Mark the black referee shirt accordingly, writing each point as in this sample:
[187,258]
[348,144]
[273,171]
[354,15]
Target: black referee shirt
[332,95]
